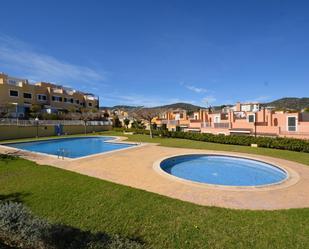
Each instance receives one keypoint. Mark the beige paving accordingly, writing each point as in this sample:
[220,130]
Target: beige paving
[135,168]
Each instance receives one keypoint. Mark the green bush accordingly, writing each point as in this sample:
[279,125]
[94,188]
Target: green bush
[291,144]
[19,228]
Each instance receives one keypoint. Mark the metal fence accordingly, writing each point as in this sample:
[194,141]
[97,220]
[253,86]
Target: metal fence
[21,122]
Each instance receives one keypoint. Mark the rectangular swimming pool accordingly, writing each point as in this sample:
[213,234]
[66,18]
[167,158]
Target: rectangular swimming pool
[72,147]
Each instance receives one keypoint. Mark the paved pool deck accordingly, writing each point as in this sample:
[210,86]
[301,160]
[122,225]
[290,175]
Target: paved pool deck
[138,168]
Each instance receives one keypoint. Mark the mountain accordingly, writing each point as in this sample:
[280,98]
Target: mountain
[290,103]
[185,106]
[283,103]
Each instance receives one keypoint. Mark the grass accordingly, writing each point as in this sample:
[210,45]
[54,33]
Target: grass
[161,222]
[300,157]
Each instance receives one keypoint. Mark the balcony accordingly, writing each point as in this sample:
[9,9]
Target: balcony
[91,97]
[170,122]
[18,83]
[221,125]
[206,125]
[195,121]
[215,125]
[57,90]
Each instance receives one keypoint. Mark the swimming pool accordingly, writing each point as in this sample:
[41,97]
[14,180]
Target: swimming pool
[223,170]
[72,147]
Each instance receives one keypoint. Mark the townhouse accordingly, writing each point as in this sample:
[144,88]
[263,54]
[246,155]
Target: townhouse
[242,119]
[18,95]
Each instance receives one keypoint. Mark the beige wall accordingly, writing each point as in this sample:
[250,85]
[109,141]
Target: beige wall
[15,132]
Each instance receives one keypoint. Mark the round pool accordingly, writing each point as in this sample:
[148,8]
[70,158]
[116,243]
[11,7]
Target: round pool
[223,170]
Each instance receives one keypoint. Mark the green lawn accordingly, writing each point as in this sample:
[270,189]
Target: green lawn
[300,157]
[160,222]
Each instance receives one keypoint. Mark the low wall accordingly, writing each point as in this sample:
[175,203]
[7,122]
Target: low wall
[15,132]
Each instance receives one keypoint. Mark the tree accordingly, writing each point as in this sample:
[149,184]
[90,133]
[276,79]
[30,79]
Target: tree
[126,122]
[5,110]
[116,122]
[35,110]
[138,124]
[147,114]
[106,115]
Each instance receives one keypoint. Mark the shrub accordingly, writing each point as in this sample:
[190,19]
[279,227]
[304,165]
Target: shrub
[7,157]
[291,144]
[19,228]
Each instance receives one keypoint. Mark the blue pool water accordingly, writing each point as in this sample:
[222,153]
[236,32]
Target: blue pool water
[223,170]
[72,147]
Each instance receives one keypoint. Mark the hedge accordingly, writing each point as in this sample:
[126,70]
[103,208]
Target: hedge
[291,144]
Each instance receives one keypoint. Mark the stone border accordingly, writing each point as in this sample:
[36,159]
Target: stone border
[291,179]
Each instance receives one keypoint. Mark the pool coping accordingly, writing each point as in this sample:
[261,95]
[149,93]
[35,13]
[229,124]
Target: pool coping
[116,140]
[291,179]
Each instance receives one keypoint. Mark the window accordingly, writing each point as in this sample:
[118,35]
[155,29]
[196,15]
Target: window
[90,104]
[13,93]
[72,101]
[77,101]
[292,123]
[65,100]
[217,119]
[41,97]
[56,99]
[251,118]
[275,122]
[27,96]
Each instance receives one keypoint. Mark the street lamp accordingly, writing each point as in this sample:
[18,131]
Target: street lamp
[37,126]
[255,112]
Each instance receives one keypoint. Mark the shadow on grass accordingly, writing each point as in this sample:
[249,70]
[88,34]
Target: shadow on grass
[14,197]
[67,237]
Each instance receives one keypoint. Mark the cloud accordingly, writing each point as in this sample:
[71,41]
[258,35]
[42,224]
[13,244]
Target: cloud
[259,99]
[209,100]
[142,100]
[194,88]
[20,57]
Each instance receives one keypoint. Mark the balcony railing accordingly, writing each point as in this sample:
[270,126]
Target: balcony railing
[195,120]
[206,125]
[170,122]
[221,125]
[19,122]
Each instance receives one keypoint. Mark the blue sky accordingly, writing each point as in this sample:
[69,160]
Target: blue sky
[159,52]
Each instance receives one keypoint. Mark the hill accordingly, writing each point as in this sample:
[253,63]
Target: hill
[290,103]
[283,103]
[185,106]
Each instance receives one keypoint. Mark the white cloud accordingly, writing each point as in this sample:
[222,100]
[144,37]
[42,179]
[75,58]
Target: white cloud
[194,88]
[18,56]
[141,100]
[259,99]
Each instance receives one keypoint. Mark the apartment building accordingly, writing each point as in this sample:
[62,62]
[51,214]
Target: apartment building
[246,119]
[173,119]
[18,95]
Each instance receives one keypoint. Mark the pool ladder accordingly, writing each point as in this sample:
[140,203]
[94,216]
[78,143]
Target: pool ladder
[62,153]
